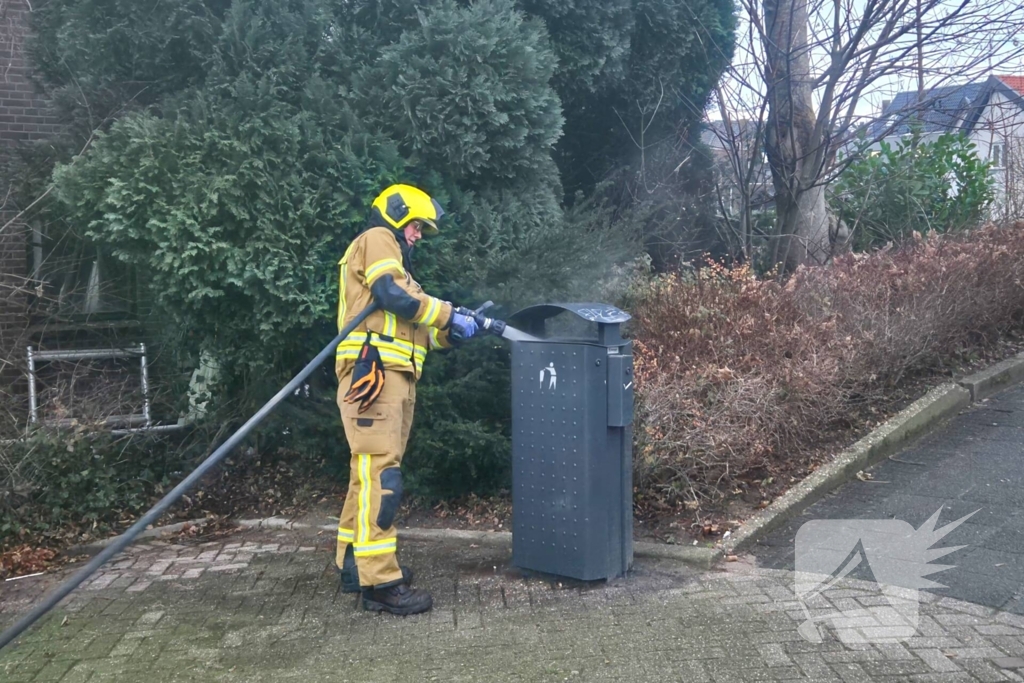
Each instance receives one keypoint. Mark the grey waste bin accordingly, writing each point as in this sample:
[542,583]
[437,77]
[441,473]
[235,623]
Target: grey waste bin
[572,417]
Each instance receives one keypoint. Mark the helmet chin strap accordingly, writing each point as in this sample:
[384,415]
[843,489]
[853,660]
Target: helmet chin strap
[407,252]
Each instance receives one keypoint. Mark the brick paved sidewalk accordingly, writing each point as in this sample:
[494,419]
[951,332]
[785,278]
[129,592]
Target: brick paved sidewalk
[264,606]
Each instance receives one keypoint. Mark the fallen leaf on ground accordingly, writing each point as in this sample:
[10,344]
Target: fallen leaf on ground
[25,560]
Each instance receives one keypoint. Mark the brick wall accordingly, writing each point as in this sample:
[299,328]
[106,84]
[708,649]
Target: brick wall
[24,116]
[24,110]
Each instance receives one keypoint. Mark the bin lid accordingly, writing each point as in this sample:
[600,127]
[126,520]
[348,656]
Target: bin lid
[603,314]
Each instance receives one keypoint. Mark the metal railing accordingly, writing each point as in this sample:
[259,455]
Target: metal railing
[144,420]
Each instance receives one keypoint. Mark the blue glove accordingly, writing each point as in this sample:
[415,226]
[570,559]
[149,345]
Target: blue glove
[462,327]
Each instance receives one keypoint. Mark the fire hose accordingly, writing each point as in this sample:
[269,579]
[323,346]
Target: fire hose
[490,325]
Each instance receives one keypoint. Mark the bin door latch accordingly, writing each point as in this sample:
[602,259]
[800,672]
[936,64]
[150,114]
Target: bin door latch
[620,391]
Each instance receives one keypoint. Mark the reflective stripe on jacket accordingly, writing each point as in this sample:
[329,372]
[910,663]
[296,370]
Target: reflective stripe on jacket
[403,343]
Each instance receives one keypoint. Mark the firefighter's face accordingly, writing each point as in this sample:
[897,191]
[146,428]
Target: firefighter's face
[413,233]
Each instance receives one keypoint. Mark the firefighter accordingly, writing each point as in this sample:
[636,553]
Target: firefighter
[377,367]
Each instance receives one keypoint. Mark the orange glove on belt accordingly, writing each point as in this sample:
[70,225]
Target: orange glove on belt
[367,378]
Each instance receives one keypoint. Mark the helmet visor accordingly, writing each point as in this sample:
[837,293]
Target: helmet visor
[428,227]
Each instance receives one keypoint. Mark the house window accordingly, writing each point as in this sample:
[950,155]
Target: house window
[995,155]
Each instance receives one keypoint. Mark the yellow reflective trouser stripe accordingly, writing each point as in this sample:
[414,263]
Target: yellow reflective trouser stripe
[364,499]
[429,316]
[364,546]
[388,545]
[378,268]
[346,535]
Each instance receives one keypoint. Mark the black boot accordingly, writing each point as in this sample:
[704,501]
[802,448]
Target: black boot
[350,578]
[399,599]
[350,575]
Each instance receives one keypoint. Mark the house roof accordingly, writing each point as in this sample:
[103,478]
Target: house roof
[947,109]
[1015,83]
[941,110]
[1009,86]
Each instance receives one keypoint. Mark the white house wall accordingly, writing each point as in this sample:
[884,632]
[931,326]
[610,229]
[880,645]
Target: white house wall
[894,140]
[1001,123]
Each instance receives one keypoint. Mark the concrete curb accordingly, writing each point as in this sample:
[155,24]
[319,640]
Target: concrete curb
[919,418]
[496,539]
[697,556]
[272,523]
[993,380]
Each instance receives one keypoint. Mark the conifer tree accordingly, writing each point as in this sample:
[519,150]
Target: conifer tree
[248,138]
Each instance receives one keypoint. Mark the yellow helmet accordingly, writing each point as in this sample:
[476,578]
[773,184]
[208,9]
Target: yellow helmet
[400,204]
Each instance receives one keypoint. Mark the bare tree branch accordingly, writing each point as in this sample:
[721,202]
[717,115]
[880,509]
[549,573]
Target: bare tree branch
[823,67]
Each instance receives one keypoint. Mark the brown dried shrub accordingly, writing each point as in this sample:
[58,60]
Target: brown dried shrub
[736,373]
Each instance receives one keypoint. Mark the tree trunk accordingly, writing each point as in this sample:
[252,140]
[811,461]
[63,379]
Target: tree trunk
[794,152]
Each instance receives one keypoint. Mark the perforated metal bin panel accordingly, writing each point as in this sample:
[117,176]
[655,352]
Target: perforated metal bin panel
[572,458]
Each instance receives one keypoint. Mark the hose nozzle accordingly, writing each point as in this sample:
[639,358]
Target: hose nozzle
[490,325]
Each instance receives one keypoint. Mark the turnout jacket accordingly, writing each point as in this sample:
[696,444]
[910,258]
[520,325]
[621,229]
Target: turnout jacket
[410,321]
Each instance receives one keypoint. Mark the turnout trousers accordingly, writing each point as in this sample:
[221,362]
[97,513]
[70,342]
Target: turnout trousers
[377,439]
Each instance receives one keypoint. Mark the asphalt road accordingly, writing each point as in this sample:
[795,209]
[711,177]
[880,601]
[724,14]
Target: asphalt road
[974,463]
